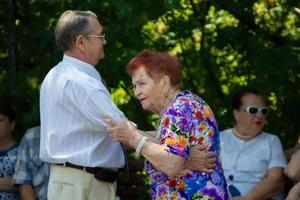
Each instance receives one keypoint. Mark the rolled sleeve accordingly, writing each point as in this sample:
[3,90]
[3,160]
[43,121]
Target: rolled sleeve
[277,158]
[98,106]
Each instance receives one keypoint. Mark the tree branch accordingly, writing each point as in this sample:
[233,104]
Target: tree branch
[250,23]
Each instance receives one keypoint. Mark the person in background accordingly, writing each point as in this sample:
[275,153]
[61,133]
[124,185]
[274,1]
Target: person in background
[8,151]
[31,174]
[185,121]
[293,173]
[289,152]
[253,160]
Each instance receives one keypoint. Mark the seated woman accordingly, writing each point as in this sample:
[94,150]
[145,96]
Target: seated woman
[8,152]
[253,160]
[293,172]
[185,120]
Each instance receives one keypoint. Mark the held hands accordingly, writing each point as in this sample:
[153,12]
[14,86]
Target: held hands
[201,159]
[124,132]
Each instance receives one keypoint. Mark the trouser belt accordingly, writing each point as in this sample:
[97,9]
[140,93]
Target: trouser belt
[102,174]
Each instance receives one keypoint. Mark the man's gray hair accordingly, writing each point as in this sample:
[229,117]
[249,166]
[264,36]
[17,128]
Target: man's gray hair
[71,24]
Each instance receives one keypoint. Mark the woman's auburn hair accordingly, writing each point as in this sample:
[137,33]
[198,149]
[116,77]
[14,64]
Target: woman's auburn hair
[156,65]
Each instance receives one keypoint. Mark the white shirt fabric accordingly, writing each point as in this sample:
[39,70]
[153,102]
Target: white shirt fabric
[249,161]
[73,106]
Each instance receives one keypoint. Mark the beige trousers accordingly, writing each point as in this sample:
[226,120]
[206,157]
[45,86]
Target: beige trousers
[67,183]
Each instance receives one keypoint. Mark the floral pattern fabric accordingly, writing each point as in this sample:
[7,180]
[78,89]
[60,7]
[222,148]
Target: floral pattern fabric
[186,122]
[7,167]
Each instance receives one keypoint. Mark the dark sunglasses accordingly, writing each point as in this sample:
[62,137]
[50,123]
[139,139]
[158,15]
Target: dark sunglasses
[253,110]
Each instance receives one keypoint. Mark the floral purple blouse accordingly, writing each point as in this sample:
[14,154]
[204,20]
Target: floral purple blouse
[186,122]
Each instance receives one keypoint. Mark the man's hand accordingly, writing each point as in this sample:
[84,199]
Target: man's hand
[201,159]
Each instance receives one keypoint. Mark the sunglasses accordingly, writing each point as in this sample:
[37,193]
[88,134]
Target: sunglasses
[253,110]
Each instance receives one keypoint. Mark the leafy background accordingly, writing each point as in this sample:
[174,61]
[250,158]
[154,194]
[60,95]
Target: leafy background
[222,45]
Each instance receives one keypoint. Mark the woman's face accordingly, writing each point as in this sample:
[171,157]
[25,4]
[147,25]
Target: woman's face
[147,90]
[6,126]
[248,123]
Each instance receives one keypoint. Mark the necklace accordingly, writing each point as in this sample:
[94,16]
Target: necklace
[243,137]
[164,108]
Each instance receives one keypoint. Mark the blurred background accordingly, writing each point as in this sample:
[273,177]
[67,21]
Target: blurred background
[223,45]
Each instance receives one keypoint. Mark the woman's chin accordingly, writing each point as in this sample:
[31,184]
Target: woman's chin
[144,106]
[147,107]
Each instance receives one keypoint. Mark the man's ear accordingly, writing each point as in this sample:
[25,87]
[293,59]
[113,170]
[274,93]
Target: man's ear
[79,42]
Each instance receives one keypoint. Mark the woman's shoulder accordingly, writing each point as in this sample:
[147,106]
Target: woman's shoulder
[187,98]
[268,136]
[226,134]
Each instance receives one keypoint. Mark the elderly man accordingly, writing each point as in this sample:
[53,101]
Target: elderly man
[73,104]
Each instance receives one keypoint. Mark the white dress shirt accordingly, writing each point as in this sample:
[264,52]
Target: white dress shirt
[73,106]
[246,163]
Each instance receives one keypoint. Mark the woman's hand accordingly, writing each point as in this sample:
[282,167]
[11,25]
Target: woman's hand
[124,132]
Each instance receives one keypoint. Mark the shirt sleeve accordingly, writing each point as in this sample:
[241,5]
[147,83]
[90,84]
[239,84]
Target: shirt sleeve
[277,155]
[188,123]
[175,129]
[22,173]
[99,105]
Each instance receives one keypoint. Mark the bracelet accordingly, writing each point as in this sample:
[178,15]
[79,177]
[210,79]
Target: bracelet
[141,144]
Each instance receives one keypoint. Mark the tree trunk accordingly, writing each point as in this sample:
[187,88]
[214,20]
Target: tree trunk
[12,46]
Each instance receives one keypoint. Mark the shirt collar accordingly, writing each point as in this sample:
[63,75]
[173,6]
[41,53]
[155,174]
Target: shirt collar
[83,66]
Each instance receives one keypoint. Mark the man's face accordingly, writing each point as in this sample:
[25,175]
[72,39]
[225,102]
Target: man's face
[95,42]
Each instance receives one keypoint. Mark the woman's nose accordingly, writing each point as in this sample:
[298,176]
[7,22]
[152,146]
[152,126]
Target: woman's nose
[260,115]
[137,92]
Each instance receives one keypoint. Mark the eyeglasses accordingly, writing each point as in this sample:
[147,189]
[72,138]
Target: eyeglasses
[254,110]
[101,36]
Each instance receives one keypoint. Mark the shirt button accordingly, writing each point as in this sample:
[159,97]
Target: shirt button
[59,188]
[230,177]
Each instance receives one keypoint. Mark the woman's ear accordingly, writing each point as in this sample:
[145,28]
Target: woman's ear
[165,81]
[235,114]
[12,125]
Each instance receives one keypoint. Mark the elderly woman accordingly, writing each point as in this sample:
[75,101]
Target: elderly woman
[185,120]
[8,152]
[253,160]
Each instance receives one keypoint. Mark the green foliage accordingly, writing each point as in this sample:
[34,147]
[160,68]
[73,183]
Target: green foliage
[222,45]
